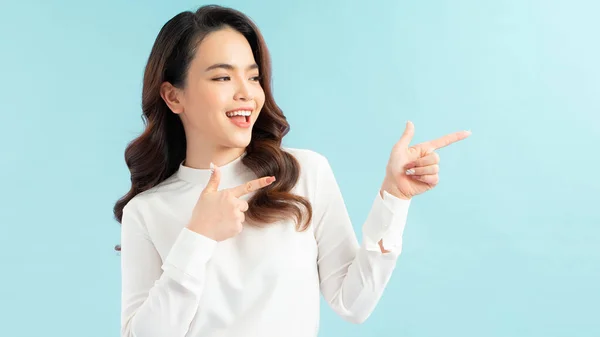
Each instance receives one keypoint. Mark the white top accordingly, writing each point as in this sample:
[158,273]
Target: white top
[263,282]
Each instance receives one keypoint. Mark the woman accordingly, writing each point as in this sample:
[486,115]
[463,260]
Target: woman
[224,231]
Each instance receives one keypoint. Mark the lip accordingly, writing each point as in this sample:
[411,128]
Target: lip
[246,123]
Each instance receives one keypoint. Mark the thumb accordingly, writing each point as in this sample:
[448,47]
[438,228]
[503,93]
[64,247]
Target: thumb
[408,134]
[215,179]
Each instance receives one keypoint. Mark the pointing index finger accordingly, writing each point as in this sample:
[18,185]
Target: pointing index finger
[252,186]
[446,140]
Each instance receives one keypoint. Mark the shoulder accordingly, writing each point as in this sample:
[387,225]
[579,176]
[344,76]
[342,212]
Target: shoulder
[317,181]
[306,157]
[150,199]
[314,166]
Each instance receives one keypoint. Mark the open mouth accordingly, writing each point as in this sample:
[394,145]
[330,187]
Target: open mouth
[239,116]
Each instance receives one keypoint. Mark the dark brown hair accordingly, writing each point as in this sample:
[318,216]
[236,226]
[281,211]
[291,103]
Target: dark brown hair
[156,154]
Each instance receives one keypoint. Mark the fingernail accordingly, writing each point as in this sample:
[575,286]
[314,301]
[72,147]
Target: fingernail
[212,167]
[410,171]
[410,165]
[270,180]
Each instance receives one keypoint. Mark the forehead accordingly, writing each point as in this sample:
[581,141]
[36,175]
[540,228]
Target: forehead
[224,46]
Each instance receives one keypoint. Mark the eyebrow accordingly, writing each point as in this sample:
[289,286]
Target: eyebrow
[229,66]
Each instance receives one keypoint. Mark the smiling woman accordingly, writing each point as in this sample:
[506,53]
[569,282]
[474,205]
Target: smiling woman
[204,67]
[224,231]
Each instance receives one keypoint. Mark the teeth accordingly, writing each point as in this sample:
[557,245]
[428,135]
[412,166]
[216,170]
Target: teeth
[239,113]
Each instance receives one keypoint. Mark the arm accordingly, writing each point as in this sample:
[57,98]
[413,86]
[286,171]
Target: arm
[160,299]
[353,277]
[396,201]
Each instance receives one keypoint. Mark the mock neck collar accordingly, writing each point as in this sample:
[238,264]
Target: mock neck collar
[194,175]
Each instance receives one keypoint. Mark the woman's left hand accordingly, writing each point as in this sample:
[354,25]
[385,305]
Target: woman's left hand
[414,170]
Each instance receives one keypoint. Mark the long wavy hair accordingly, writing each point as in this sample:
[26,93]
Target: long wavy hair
[156,154]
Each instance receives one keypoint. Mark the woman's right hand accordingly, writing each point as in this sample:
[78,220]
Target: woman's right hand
[219,215]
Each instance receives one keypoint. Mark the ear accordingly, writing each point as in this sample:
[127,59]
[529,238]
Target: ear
[172,96]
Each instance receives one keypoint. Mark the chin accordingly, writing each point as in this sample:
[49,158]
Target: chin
[241,140]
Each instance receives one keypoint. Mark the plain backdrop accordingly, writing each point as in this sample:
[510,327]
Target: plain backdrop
[506,245]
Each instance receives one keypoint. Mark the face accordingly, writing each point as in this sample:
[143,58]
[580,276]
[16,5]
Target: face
[222,96]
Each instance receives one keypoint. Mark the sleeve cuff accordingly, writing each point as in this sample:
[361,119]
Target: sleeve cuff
[189,255]
[386,222]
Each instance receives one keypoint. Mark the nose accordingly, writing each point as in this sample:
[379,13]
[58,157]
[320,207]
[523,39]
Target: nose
[243,92]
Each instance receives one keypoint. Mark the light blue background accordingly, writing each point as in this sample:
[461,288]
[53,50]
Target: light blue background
[506,245]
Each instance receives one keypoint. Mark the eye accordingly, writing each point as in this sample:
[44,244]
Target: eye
[221,79]
[257,78]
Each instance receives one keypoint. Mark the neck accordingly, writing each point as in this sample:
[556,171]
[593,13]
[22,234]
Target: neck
[199,155]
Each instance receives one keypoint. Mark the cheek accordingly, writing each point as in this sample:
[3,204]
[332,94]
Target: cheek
[205,104]
[208,98]
[260,97]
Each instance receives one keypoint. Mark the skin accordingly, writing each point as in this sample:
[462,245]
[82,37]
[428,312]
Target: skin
[413,170]
[209,94]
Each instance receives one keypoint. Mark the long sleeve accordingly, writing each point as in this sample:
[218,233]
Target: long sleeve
[160,299]
[352,276]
